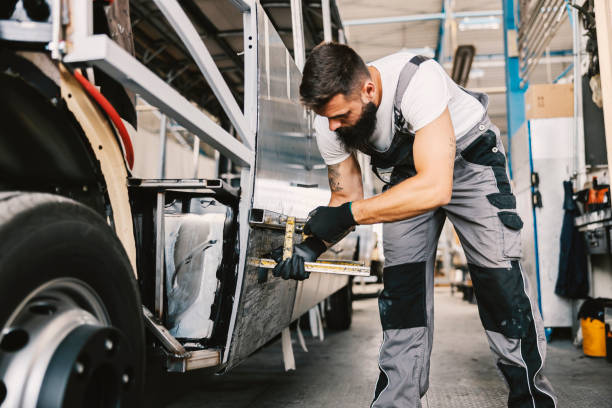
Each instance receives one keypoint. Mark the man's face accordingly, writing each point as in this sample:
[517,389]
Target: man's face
[352,118]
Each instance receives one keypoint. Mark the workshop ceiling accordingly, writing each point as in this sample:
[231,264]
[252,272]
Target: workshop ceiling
[219,22]
[220,25]
[488,70]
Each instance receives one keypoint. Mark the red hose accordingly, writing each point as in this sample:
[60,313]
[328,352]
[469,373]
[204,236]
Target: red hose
[112,114]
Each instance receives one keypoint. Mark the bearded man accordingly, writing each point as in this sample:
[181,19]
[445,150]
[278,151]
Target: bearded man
[439,155]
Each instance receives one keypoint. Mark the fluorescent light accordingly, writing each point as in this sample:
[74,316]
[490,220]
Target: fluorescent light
[479,23]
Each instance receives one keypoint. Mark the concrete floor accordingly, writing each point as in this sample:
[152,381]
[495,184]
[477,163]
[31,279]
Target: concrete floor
[342,370]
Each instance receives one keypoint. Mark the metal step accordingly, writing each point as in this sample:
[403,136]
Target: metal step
[179,359]
[217,187]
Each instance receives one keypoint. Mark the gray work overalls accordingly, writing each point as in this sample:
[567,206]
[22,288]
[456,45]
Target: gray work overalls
[483,212]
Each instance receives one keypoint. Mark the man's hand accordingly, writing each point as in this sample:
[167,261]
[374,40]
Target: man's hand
[330,223]
[293,268]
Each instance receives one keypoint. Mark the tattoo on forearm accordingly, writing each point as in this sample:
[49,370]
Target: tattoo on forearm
[333,173]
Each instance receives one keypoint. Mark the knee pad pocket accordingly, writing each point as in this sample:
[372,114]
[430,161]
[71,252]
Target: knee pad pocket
[402,303]
[511,234]
[503,304]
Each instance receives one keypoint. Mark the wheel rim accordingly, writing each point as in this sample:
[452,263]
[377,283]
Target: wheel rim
[57,349]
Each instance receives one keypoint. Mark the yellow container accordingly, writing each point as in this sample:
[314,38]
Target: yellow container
[593,337]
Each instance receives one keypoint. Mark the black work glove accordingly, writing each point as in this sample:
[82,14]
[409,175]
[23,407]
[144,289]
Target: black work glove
[293,268]
[330,223]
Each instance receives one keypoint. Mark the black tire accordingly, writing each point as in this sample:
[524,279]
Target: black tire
[45,237]
[339,309]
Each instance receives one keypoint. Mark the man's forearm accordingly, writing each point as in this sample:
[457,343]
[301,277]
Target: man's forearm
[408,199]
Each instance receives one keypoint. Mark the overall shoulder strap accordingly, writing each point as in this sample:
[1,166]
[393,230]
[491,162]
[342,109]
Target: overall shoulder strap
[405,77]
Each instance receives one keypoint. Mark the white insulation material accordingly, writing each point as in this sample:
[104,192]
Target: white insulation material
[194,252]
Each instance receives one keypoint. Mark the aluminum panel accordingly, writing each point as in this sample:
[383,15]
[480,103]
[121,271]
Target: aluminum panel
[552,156]
[552,159]
[291,177]
[521,178]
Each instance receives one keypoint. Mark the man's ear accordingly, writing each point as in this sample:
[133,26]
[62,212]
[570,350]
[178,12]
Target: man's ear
[368,91]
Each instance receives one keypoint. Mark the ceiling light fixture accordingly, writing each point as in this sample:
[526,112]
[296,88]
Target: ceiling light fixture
[479,23]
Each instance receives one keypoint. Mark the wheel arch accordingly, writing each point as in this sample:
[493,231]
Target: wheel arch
[55,139]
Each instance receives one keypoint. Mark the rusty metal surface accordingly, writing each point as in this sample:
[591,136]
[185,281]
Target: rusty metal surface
[265,307]
[290,179]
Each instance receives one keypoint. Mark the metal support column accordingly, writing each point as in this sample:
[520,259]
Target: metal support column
[439,56]
[327,31]
[247,175]
[163,144]
[196,156]
[577,145]
[160,263]
[603,18]
[515,95]
[297,19]
[203,59]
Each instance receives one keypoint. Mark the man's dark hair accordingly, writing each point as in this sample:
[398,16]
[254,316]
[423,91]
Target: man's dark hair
[331,69]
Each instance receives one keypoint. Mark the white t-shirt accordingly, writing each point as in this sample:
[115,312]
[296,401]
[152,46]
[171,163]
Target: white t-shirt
[429,92]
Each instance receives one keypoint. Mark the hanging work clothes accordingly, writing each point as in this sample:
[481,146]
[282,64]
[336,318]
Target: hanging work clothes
[573,281]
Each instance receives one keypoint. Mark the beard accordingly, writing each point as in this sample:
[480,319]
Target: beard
[356,137]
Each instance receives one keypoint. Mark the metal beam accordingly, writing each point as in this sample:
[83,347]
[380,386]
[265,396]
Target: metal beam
[241,5]
[191,38]
[439,56]
[327,32]
[315,35]
[211,30]
[240,33]
[104,53]
[299,52]
[335,16]
[515,95]
[421,17]
[151,17]
[603,19]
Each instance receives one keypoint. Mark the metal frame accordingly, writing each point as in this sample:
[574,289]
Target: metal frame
[190,37]
[178,359]
[247,176]
[327,31]
[297,22]
[579,165]
[99,50]
[104,53]
[422,17]
[536,33]
[515,94]
[172,55]
[603,18]
[439,56]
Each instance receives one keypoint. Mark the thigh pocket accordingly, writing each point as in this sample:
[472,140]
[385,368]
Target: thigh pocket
[511,225]
[484,151]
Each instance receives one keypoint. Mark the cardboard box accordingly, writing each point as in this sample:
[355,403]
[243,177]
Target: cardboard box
[549,101]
